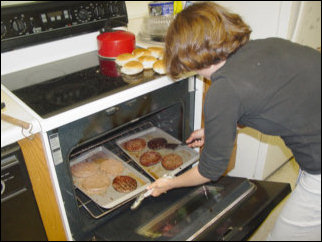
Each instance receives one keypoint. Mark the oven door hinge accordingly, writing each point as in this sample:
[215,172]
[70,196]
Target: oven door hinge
[192,84]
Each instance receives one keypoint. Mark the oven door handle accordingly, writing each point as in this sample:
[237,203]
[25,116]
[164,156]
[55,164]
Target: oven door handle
[230,232]
[112,110]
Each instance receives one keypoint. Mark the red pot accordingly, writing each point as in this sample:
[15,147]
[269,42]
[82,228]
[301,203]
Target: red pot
[112,44]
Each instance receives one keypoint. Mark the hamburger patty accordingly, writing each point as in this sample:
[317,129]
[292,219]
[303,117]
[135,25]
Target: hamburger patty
[150,158]
[136,144]
[97,183]
[157,143]
[171,161]
[84,169]
[124,184]
[112,167]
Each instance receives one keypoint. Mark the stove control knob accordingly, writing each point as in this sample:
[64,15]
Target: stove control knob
[3,30]
[19,26]
[83,15]
[3,187]
[112,8]
[99,12]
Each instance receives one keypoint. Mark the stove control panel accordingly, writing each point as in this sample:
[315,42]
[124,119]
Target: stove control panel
[34,23]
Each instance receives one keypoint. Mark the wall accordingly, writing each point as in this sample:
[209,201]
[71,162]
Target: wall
[263,17]
[266,18]
[308,28]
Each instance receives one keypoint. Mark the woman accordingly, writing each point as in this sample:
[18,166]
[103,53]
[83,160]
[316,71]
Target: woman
[271,85]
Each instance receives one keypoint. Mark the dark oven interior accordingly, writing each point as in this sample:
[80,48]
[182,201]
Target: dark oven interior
[170,108]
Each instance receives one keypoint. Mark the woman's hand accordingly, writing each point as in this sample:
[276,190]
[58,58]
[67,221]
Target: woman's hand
[162,185]
[191,177]
[196,139]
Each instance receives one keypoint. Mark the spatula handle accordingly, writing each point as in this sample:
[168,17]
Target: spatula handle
[15,121]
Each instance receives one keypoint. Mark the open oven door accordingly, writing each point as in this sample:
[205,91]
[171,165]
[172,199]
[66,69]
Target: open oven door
[230,209]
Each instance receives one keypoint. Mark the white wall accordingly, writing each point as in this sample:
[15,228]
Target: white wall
[264,17]
[308,28]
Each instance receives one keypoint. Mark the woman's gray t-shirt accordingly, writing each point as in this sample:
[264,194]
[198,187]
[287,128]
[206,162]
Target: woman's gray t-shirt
[274,86]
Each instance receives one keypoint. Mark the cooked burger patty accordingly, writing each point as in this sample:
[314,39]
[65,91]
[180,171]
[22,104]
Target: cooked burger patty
[124,184]
[157,143]
[136,144]
[171,161]
[84,169]
[150,158]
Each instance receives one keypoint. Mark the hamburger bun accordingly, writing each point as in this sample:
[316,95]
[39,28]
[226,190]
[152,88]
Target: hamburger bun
[140,52]
[156,52]
[147,74]
[147,61]
[159,67]
[122,59]
[132,68]
[161,57]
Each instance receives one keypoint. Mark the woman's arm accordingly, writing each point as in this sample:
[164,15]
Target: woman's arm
[191,177]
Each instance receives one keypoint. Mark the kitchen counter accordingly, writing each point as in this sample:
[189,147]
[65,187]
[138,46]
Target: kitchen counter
[11,133]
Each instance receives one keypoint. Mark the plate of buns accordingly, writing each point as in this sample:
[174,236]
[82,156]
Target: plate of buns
[141,60]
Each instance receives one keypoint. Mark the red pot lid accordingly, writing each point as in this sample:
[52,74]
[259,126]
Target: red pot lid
[118,35]
[112,44]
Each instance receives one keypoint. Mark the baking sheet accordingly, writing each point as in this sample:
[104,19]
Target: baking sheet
[189,155]
[110,198]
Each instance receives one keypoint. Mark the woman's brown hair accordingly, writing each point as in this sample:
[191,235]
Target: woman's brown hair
[201,35]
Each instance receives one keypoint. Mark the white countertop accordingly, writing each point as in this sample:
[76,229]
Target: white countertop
[11,133]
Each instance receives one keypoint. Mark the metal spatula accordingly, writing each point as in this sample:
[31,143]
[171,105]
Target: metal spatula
[173,146]
[140,198]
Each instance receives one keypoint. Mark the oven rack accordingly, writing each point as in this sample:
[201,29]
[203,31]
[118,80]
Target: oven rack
[110,143]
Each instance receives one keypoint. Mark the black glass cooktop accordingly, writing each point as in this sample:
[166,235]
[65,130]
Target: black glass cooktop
[56,87]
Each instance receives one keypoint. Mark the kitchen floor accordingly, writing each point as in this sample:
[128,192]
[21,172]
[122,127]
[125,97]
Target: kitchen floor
[287,173]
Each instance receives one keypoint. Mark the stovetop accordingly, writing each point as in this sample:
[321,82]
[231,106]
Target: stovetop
[59,86]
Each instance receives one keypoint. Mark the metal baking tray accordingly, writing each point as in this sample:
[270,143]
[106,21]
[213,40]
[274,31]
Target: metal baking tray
[111,198]
[188,155]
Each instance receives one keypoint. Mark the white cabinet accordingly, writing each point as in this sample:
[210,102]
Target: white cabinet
[259,155]
[272,154]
